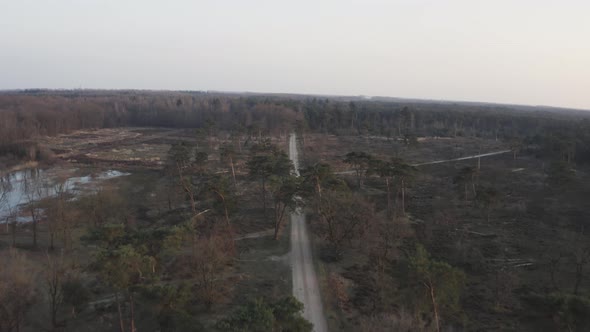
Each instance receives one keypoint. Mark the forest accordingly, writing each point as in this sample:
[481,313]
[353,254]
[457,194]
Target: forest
[31,113]
[423,215]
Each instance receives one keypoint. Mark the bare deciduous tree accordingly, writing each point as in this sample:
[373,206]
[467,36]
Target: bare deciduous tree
[54,276]
[35,189]
[344,217]
[17,289]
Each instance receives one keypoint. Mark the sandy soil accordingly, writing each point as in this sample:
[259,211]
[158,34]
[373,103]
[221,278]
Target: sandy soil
[305,282]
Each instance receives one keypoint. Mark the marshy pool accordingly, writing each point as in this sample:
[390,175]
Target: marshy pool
[17,189]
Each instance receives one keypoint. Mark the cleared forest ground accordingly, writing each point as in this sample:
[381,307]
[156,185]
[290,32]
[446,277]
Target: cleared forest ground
[505,248]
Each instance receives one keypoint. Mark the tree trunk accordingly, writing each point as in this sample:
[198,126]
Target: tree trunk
[13,234]
[17,322]
[318,187]
[53,283]
[233,171]
[187,188]
[434,305]
[395,203]
[226,214]
[318,201]
[34,224]
[132,307]
[359,178]
[121,325]
[403,198]
[34,233]
[53,309]
[65,238]
[264,196]
[579,277]
[388,197]
[192,199]
[466,192]
[279,213]
[276,235]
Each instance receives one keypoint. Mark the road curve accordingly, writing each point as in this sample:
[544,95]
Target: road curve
[305,282]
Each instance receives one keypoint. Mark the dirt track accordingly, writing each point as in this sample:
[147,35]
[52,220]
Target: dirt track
[445,160]
[305,282]
[463,158]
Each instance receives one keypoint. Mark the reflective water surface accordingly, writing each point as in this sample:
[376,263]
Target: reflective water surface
[19,188]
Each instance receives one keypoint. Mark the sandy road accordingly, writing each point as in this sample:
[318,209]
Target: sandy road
[305,282]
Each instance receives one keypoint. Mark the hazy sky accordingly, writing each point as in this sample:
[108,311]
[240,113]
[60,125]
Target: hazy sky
[510,51]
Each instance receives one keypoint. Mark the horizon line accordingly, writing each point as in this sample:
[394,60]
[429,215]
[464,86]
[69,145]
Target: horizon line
[360,96]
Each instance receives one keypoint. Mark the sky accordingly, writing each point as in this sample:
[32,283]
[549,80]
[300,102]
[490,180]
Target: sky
[533,52]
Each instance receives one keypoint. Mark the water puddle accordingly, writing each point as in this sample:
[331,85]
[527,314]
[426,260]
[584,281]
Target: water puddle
[20,188]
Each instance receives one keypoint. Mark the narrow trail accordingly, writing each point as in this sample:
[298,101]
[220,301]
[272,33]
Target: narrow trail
[463,158]
[305,282]
[447,160]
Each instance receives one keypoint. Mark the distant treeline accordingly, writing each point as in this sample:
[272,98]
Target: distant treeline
[27,114]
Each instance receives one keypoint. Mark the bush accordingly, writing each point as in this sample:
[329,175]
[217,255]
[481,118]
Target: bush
[569,312]
[260,316]
[75,294]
